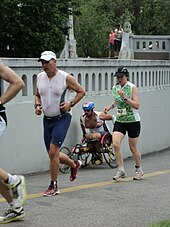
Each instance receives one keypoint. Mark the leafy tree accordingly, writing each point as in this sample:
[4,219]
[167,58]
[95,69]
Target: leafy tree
[31,26]
[151,17]
[90,29]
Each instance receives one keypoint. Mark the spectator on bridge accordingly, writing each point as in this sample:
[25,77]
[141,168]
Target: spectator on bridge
[12,187]
[126,101]
[111,43]
[118,39]
[157,45]
[51,98]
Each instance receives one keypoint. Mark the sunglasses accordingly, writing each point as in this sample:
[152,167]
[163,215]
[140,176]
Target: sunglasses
[44,62]
[120,76]
[87,110]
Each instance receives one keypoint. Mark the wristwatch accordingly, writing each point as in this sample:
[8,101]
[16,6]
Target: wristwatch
[125,99]
[35,105]
[72,103]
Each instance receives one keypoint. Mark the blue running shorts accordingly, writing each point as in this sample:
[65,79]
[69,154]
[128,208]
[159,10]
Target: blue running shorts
[55,129]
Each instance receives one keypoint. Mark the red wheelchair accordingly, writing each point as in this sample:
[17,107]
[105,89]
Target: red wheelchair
[91,152]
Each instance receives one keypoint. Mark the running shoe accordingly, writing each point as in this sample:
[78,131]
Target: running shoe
[19,191]
[119,175]
[74,171]
[12,215]
[138,174]
[51,191]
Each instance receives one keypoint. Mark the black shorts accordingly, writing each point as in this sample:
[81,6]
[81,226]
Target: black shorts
[2,113]
[133,128]
[3,120]
[111,46]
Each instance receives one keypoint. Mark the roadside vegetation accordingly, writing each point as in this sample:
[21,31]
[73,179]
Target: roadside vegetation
[165,223]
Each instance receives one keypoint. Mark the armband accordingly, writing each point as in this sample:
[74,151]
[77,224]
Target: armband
[112,107]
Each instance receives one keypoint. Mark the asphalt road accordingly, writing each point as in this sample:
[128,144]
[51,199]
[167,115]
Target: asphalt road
[94,199]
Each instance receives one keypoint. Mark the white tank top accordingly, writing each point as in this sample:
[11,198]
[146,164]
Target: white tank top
[52,92]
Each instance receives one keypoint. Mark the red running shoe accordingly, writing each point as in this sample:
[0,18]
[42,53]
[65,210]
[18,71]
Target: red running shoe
[52,190]
[74,171]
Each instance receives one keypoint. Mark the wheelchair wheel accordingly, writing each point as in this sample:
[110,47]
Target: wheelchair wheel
[83,153]
[106,146]
[63,167]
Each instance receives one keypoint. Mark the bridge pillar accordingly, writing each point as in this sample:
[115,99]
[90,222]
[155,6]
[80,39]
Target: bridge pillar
[125,52]
[69,50]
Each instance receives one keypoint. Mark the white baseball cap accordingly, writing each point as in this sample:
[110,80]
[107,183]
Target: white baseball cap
[47,56]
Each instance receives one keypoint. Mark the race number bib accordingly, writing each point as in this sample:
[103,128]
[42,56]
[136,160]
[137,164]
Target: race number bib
[121,112]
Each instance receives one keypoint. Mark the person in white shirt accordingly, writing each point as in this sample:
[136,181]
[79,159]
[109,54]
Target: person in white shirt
[51,99]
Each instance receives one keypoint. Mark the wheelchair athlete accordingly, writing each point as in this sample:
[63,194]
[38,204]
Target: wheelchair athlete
[94,127]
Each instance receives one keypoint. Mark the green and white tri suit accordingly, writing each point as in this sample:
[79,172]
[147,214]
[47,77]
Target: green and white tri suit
[125,113]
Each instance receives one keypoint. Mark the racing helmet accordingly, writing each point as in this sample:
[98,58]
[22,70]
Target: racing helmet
[88,105]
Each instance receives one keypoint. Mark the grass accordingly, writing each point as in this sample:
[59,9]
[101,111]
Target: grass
[165,223]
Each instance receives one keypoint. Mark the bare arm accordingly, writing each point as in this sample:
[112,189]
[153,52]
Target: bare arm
[75,86]
[37,101]
[108,108]
[72,84]
[15,83]
[105,116]
[82,126]
[37,98]
[135,103]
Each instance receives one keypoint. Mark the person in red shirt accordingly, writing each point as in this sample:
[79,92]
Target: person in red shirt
[111,43]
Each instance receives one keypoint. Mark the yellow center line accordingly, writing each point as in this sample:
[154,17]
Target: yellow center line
[95,185]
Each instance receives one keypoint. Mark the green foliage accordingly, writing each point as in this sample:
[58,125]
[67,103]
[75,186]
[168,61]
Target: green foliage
[31,26]
[154,19]
[165,223]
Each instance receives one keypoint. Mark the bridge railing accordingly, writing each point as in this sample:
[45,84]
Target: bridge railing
[150,47]
[96,76]
[149,43]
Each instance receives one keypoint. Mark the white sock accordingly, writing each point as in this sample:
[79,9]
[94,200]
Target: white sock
[139,168]
[13,207]
[12,179]
[121,169]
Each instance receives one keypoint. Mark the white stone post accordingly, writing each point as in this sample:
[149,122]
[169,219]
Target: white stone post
[69,50]
[125,52]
